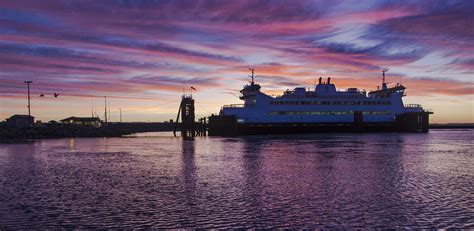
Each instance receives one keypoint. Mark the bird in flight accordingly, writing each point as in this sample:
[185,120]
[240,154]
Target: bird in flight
[56,95]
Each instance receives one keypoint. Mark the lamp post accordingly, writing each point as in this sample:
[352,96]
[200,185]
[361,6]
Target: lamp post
[105,109]
[29,106]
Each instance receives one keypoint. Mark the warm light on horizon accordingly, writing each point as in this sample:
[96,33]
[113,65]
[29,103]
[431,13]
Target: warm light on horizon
[139,56]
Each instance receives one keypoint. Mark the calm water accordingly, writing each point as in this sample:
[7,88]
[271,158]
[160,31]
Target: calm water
[306,181]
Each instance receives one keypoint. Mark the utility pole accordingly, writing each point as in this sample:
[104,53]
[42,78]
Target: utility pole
[92,107]
[29,106]
[105,112]
[120,109]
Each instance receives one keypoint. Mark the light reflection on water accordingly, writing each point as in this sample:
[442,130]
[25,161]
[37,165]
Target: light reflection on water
[304,181]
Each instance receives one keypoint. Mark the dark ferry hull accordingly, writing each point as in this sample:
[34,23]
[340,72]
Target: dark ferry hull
[417,122]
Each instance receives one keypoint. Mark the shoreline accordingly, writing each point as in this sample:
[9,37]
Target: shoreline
[60,131]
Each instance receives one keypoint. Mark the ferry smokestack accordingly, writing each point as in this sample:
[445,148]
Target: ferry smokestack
[329,80]
[320,80]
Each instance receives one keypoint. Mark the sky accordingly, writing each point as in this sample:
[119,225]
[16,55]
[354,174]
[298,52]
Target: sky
[141,54]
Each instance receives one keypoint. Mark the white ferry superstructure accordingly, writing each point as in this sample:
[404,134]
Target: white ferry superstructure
[325,105]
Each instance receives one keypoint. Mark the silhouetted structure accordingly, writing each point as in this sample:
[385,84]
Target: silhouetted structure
[201,127]
[86,121]
[29,105]
[20,121]
[186,109]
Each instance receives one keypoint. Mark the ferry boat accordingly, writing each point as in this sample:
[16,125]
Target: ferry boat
[324,109]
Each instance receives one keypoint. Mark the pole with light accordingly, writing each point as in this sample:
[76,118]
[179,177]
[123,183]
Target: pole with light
[29,105]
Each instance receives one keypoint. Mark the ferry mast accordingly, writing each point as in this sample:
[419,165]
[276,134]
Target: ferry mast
[252,76]
[384,84]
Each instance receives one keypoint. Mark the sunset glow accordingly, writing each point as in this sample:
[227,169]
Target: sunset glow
[139,53]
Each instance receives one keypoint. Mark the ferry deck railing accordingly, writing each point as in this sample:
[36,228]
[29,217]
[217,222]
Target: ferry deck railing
[413,106]
[233,106]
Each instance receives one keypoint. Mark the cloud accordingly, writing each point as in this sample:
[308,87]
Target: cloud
[145,49]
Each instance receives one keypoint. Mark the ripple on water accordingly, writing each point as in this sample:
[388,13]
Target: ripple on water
[307,181]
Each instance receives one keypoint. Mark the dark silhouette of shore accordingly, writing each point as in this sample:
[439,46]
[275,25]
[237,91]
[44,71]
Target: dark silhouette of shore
[59,130]
[452,126]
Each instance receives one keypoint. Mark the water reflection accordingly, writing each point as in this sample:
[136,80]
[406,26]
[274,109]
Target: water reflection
[189,181]
[252,192]
[306,181]
[18,162]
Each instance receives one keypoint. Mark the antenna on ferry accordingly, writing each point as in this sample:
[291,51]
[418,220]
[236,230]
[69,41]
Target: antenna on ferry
[384,84]
[383,76]
[252,76]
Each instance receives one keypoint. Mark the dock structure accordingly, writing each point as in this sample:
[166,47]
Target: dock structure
[201,127]
[186,110]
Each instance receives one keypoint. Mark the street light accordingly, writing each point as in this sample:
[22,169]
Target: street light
[29,106]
